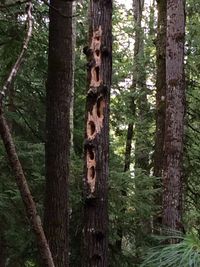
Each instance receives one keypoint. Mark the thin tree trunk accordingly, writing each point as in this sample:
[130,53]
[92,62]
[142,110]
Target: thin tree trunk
[15,164]
[174,122]
[73,75]
[57,148]
[129,137]
[141,127]
[3,245]
[139,76]
[160,102]
[96,147]
[25,192]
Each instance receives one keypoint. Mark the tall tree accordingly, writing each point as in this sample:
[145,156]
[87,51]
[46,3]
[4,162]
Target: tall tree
[175,109]
[57,147]
[160,100]
[139,78]
[138,52]
[141,125]
[96,146]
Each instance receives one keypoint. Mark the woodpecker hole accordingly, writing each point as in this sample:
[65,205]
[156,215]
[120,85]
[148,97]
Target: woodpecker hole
[100,107]
[97,53]
[97,73]
[91,173]
[91,128]
[91,153]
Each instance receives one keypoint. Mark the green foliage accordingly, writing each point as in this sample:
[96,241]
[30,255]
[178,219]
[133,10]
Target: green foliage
[186,253]
[131,194]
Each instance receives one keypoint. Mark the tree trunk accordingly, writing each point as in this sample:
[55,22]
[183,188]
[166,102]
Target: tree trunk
[57,147]
[175,109]
[96,146]
[27,198]
[139,76]
[143,221]
[160,102]
[73,75]
[3,245]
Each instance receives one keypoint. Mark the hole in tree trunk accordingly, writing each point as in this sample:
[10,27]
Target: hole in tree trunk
[91,153]
[91,128]
[100,106]
[97,52]
[91,172]
[97,73]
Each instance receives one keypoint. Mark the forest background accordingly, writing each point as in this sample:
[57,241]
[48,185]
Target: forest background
[132,191]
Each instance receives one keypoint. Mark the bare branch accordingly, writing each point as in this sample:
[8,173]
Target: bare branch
[191,127]
[27,198]
[19,61]
[15,163]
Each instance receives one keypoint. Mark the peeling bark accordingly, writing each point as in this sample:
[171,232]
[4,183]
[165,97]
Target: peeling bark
[96,145]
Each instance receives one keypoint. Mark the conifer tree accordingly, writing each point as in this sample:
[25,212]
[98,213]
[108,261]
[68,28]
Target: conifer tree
[58,91]
[175,110]
[96,145]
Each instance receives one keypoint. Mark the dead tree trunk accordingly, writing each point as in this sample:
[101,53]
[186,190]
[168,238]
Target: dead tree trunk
[27,198]
[57,147]
[15,164]
[96,146]
[175,109]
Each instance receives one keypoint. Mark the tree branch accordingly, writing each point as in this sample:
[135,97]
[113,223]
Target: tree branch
[18,63]
[30,128]
[15,164]
[27,198]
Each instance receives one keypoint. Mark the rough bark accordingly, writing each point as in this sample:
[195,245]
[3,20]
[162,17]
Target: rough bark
[96,146]
[175,109]
[160,101]
[27,198]
[57,147]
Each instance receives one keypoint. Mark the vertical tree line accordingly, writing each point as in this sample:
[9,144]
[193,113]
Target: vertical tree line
[160,104]
[174,118]
[57,146]
[96,143]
